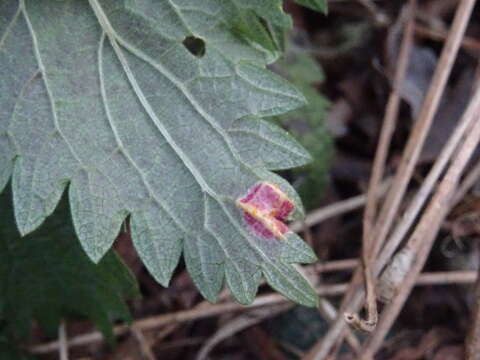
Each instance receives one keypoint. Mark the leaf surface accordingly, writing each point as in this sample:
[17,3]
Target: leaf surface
[318,5]
[105,96]
[9,350]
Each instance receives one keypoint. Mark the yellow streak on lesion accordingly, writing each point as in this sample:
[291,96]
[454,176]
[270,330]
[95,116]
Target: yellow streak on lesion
[266,218]
[279,192]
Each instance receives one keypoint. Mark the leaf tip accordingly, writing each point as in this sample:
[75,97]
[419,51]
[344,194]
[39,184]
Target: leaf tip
[95,255]
[313,302]
[25,226]
[212,297]
[162,280]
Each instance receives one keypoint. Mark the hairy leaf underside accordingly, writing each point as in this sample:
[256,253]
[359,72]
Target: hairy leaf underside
[106,97]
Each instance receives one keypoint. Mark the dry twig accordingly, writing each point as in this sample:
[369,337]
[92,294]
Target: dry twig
[405,170]
[472,342]
[389,124]
[238,324]
[421,241]
[336,265]
[439,35]
[336,209]
[422,125]
[468,182]
[155,322]
[329,312]
[62,340]
[145,349]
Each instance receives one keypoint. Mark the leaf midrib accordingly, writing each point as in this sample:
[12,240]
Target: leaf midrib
[113,36]
[115,40]
[108,28]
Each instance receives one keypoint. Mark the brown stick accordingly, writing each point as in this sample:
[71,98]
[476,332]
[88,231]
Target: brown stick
[414,207]
[422,125]
[143,344]
[470,179]
[237,324]
[422,195]
[411,153]
[62,342]
[336,209]
[421,241]
[418,201]
[154,322]
[389,124]
[329,312]
[472,342]
[439,35]
[336,265]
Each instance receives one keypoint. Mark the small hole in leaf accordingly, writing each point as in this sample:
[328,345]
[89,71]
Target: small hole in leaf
[195,45]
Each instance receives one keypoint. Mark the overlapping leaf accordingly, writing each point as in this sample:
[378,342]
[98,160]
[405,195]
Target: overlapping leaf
[319,5]
[104,96]
[8,350]
[307,123]
[47,276]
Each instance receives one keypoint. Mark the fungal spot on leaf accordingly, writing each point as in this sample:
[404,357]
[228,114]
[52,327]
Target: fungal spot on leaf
[265,209]
[195,46]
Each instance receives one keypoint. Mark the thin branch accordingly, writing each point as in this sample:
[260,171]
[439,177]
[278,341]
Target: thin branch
[238,324]
[336,209]
[62,341]
[405,170]
[421,241]
[154,322]
[181,343]
[447,278]
[388,127]
[470,180]
[422,195]
[184,316]
[336,265]
[329,312]
[142,343]
[468,43]
[472,341]
[380,18]
[423,124]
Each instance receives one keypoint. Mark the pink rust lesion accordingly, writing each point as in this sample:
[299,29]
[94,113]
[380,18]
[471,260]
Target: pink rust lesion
[265,210]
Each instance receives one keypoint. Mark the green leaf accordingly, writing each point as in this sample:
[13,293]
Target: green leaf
[318,5]
[262,144]
[46,276]
[270,10]
[262,22]
[105,96]
[9,349]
